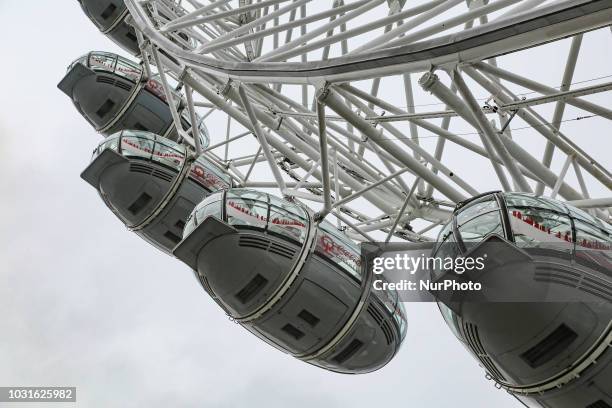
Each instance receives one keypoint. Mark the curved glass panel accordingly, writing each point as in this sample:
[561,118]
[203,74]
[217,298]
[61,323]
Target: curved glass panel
[476,208]
[135,146]
[156,89]
[111,143]
[478,228]
[113,63]
[144,145]
[593,247]
[209,175]
[155,86]
[446,249]
[246,212]
[204,135]
[287,219]
[254,209]
[535,227]
[402,320]
[451,320]
[128,69]
[263,211]
[339,248]
[286,223]
[210,206]
[391,300]
[116,64]
[168,154]
[577,213]
[445,232]
[524,200]
[590,237]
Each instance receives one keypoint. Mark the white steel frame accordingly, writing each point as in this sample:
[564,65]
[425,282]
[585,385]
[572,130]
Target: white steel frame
[337,141]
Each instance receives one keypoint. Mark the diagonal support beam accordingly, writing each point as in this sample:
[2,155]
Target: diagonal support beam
[562,142]
[170,98]
[336,104]
[543,89]
[263,141]
[415,147]
[327,204]
[557,186]
[430,82]
[400,213]
[568,74]
[490,133]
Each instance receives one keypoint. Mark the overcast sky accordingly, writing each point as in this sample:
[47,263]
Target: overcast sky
[85,303]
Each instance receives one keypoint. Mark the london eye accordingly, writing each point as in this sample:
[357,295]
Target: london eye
[365,121]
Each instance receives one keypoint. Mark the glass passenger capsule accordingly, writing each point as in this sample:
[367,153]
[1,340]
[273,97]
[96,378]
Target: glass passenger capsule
[110,18]
[112,94]
[559,257]
[297,285]
[152,183]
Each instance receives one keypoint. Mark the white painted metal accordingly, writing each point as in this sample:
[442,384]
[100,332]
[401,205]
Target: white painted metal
[373,152]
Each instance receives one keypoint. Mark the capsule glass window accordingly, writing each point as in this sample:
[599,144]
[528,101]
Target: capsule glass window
[111,143]
[478,228]
[577,213]
[287,223]
[446,249]
[451,320]
[445,232]
[536,227]
[340,249]
[210,206]
[593,247]
[102,61]
[474,209]
[128,69]
[134,146]
[523,200]
[168,153]
[247,208]
[209,175]
[591,237]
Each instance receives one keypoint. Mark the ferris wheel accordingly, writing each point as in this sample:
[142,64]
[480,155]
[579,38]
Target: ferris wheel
[383,116]
[293,70]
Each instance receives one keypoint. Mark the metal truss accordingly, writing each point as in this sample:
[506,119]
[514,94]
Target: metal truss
[304,86]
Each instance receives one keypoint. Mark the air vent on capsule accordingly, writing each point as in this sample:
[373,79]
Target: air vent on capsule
[108,11]
[550,347]
[139,203]
[105,108]
[140,168]
[348,352]
[281,250]
[309,318]
[172,237]
[103,79]
[162,175]
[293,331]
[255,241]
[251,289]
